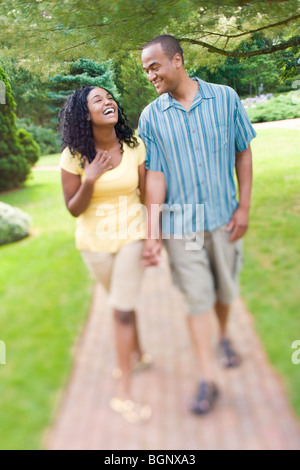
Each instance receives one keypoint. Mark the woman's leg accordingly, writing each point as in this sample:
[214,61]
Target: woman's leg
[125,339]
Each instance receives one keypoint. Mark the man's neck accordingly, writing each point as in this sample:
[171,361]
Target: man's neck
[186,91]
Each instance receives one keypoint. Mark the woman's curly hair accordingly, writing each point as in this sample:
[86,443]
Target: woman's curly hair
[76,129]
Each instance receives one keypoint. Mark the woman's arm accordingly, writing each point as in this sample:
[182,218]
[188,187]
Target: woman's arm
[78,194]
[142,181]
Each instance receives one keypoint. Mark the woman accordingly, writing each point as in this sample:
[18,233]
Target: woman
[103,174]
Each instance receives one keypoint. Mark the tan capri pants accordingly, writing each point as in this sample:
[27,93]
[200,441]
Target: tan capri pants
[119,273]
[208,274]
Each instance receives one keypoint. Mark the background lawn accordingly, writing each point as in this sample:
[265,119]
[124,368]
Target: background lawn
[46,292]
[271,275]
[45,298]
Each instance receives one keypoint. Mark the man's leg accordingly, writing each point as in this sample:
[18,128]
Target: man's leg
[222,312]
[200,328]
[201,331]
[228,356]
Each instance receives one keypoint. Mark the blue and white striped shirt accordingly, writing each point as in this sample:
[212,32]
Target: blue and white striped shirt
[196,150]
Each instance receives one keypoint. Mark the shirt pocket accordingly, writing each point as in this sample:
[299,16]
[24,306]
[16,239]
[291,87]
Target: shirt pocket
[218,137]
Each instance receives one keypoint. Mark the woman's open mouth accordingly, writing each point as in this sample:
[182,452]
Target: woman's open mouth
[109,111]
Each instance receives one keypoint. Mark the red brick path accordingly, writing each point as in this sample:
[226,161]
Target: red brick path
[253,412]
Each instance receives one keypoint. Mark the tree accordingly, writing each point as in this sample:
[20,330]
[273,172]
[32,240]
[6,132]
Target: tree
[18,151]
[50,32]
[82,72]
[136,91]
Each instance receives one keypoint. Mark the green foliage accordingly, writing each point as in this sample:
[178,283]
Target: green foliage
[29,90]
[17,149]
[275,109]
[47,138]
[48,32]
[136,91]
[253,75]
[14,224]
[31,149]
[83,72]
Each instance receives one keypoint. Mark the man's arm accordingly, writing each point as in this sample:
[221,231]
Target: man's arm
[155,196]
[240,219]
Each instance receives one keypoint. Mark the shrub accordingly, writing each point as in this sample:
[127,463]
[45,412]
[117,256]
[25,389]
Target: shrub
[276,109]
[14,224]
[31,149]
[47,138]
[17,148]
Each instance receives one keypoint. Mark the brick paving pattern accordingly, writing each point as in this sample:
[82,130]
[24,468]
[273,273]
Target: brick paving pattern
[253,412]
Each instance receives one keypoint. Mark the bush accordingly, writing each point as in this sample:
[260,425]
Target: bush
[17,148]
[14,224]
[46,137]
[31,149]
[276,109]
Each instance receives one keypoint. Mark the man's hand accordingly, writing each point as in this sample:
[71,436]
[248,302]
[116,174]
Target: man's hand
[151,252]
[238,224]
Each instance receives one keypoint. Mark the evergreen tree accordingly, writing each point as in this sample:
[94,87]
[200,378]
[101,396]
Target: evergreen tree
[16,159]
[83,72]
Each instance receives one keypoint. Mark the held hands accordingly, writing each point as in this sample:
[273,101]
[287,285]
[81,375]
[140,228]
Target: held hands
[238,224]
[97,167]
[151,252]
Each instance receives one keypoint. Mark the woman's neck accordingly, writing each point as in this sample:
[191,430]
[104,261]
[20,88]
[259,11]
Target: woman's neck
[105,139]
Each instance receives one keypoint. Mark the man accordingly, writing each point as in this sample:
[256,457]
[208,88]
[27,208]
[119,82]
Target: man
[196,135]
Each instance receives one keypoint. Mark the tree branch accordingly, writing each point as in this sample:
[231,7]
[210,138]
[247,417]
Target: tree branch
[251,31]
[295,41]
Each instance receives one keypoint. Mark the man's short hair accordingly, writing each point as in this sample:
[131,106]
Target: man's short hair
[169,44]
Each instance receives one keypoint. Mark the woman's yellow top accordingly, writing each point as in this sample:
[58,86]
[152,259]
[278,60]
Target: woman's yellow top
[115,215]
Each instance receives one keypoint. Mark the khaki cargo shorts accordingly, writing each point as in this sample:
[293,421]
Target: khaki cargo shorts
[209,273]
[119,273]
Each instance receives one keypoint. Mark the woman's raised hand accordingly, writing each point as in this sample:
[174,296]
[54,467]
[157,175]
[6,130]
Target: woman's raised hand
[100,164]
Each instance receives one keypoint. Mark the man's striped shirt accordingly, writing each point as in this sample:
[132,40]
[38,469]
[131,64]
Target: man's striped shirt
[196,150]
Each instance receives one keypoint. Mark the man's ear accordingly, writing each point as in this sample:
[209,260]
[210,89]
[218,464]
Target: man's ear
[177,60]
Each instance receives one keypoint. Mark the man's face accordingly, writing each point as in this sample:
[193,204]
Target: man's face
[161,71]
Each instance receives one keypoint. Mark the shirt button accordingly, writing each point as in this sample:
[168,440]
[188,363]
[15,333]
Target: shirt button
[200,164]
[193,131]
[196,148]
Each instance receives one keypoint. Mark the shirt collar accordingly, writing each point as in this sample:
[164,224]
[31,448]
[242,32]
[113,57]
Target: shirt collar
[205,92]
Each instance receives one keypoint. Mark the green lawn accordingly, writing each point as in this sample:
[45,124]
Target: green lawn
[45,290]
[271,275]
[45,298]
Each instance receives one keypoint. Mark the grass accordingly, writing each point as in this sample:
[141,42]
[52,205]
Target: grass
[271,274]
[45,291]
[45,297]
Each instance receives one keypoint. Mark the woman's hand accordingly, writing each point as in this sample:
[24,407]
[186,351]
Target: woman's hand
[97,167]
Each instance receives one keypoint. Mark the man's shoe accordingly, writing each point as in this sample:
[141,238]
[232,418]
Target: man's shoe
[205,398]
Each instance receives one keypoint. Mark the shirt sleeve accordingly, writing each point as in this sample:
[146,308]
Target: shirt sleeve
[244,131]
[70,163]
[152,151]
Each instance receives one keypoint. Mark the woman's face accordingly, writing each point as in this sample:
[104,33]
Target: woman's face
[103,110]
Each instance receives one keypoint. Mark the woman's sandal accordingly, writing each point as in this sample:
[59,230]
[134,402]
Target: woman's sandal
[138,366]
[228,356]
[131,411]
[205,398]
